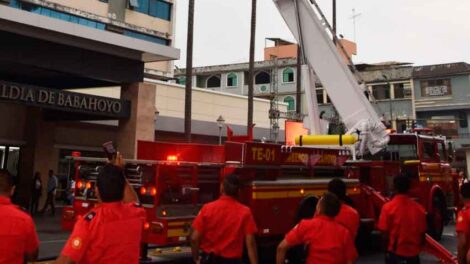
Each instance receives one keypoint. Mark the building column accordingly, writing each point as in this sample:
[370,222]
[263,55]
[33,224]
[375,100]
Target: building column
[37,155]
[141,123]
[467,160]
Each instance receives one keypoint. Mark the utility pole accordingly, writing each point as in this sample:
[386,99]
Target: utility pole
[189,73]
[298,95]
[334,21]
[251,66]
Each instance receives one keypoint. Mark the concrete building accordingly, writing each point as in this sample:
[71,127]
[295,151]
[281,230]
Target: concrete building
[50,48]
[442,102]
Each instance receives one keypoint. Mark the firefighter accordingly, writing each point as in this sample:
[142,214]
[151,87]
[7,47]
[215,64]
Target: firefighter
[403,224]
[221,228]
[463,224]
[18,239]
[111,232]
[327,240]
[347,216]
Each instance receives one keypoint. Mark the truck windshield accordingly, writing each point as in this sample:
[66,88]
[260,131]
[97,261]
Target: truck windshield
[396,152]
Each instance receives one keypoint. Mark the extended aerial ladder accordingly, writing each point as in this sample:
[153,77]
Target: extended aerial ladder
[320,54]
[346,94]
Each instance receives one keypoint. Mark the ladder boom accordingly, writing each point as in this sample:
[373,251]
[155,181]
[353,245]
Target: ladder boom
[337,79]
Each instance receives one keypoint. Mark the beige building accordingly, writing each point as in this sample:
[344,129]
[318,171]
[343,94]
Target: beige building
[52,47]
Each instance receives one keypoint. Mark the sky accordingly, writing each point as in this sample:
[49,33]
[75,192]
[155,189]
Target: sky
[417,31]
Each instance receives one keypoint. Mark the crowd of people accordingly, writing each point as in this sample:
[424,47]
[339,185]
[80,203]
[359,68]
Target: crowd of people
[111,232]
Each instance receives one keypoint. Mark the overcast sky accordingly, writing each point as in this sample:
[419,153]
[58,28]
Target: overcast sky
[417,31]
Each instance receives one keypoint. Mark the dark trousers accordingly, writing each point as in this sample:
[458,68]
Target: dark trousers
[391,258]
[35,203]
[210,258]
[50,200]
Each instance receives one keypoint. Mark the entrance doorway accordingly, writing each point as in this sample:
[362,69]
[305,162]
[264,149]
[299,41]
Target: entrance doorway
[10,159]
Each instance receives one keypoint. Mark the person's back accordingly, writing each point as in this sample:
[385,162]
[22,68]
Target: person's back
[406,221]
[222,228]
[403,222]
[110,233]
[349,218]
[326,239]
[236,219]
[18,238]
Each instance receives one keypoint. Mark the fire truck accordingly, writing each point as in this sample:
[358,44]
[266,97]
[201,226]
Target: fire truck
[281,184]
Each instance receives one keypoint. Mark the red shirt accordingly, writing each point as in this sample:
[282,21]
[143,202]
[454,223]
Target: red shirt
[17,233]
[405,222]
[110,233]
[349,218]
[328,242]
[224,224]
[463,221]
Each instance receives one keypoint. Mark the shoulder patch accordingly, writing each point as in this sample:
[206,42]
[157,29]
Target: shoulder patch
[90,216]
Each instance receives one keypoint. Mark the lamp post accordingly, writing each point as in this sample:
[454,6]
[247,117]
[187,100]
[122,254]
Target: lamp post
[220,124]
[389,99]
[275,131]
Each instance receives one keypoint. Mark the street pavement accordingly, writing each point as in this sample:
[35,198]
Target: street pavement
[53,239]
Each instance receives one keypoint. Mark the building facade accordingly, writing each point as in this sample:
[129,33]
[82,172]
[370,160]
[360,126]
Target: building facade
[51,50]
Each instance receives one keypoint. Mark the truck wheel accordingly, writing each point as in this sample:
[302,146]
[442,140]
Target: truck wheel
[436,218]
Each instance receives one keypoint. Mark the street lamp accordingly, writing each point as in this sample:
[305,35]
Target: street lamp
[275,131]
[389,99]
[220,124]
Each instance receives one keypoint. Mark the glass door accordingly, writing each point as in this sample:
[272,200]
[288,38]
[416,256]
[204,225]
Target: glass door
[10,159]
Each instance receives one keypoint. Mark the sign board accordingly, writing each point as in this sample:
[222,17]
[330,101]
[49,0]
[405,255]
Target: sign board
[63,100]
[431,88]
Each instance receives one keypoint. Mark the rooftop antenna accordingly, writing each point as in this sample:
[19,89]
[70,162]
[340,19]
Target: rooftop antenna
[354,17]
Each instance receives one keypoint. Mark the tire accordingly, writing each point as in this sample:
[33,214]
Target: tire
[436,217]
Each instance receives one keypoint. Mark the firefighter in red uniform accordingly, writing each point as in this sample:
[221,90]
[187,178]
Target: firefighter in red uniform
[111,232]
[347,216]
[18,239]
[328,241]
[463,224]
[403,223]
[222,226]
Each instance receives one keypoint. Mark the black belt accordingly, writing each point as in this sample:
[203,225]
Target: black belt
[211,258]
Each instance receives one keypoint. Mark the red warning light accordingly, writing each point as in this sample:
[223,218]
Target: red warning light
[143,190]
[153,191]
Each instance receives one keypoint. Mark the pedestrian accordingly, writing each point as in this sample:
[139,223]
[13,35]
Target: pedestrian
[221,228]
[111,232]
[328,241]
[37,192]
[18,239]
[462,225]
[52,184]
[403,224]
[347,216]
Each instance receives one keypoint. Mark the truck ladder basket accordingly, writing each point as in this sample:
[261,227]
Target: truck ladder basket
[431,246]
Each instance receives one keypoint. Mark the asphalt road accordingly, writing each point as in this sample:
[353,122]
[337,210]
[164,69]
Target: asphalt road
[52,240]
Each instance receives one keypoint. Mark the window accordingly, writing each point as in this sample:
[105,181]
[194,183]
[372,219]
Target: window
[213,82]
[290,103]
[143,6]
[262,78]
[181,80]
[402,90]
[429,152]
[431,88]
[232,80]
[320,96]
[160,9]
[288,75]
[155,8]
[381,92]
[442,151]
